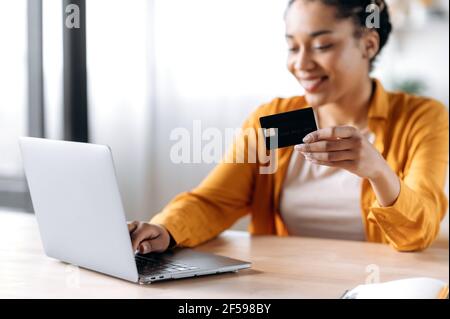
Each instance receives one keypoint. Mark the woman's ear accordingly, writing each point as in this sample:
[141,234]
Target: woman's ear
[371,44]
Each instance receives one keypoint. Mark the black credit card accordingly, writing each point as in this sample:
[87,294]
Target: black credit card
[288,129]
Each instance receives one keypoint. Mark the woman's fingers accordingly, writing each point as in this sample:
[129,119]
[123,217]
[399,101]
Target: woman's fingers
[132,226]
[348,165]
[331,133]
[331,156]
[156,245]
[143,232]
[330,145]
[147,238]
[145,247]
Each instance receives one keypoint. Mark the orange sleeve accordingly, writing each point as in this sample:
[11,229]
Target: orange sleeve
[413,221]
[217,203]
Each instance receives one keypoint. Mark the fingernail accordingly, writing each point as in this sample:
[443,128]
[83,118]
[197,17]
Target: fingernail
[308,139]
[300,148]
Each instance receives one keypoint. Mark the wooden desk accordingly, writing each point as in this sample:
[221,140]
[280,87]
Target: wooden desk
[282,268]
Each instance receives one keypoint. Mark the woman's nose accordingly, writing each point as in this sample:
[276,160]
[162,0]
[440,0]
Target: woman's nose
[303,61]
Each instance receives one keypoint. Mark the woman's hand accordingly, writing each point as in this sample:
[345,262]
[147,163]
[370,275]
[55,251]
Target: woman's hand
[148,238]
[345,147]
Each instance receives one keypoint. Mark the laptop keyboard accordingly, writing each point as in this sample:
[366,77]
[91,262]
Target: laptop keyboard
[148,266]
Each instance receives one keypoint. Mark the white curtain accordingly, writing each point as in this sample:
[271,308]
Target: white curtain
[118,90]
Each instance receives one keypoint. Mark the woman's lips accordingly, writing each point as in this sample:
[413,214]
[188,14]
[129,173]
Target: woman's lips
[313,84]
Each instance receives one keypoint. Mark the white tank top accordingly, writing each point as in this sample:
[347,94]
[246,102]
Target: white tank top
[322,201]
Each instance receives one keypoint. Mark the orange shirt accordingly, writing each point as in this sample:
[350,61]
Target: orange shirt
[412,134]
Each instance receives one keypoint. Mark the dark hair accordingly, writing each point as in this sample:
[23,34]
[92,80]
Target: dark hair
[356,9]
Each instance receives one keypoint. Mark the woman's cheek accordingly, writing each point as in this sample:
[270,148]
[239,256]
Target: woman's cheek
[336,67]
[350,62]
[291,64]
[331,62]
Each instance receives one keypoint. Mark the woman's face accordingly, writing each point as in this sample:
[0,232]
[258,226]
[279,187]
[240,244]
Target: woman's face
[324,54]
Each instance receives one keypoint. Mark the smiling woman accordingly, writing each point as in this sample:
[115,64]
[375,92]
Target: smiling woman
[331,51]
[374,171]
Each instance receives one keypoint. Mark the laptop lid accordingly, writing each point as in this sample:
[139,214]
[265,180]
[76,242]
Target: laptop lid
[78,206]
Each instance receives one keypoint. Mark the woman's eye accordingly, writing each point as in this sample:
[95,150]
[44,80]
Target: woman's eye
[293,50]
[323,47]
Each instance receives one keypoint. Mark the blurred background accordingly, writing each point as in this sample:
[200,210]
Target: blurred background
[137,69]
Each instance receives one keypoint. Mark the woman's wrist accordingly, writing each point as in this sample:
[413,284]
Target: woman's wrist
[386,185]
[172,242]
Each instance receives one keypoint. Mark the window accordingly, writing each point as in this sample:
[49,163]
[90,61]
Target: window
[13,85]
[20,93]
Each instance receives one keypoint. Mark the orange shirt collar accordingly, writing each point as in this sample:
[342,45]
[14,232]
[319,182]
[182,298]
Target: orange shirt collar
[379,106]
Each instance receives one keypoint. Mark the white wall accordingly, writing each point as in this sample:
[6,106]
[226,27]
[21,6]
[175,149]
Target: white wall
[420,54]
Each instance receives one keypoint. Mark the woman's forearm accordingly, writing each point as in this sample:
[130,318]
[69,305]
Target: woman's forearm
[386,185]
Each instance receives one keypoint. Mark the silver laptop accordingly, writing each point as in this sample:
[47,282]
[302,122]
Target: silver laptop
[81,219]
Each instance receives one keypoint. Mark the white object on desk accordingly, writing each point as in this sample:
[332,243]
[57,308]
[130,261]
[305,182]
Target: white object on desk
[414,288]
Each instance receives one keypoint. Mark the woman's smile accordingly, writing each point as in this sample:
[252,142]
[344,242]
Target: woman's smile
[313,84]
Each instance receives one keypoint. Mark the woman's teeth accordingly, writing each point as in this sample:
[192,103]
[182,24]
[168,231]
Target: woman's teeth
[312,84]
